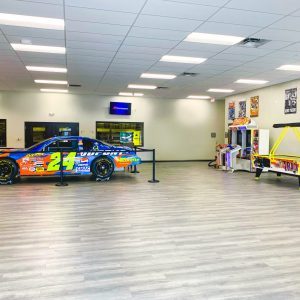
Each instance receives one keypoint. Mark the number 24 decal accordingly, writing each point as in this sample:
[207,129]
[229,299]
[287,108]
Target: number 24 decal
[68,161]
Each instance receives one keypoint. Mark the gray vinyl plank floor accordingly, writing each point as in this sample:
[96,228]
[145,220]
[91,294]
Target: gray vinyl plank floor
[198,234]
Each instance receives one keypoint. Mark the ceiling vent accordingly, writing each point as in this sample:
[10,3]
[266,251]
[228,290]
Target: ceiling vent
[253,42]
[189,74]
[162,87]
[74,85]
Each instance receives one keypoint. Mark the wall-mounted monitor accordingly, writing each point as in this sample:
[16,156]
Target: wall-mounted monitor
[120,108]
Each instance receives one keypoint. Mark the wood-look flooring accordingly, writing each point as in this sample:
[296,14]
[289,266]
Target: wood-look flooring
[198,234]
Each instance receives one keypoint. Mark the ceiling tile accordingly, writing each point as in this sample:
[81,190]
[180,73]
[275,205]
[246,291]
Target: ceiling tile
[99,16]
[31,9]
[230,29]
[92,46]
[92,37]
[32,32]
[89,27]
[147,42]
[279,35]
[242,17]
[133,6]
[178,10]
[288,23]
[55,2]
[268,6]
[167,23]
[158,34]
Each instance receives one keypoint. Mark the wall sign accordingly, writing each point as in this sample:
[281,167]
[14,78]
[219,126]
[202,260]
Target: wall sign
[290,106]
[242,109]
[254,106]
[231,110]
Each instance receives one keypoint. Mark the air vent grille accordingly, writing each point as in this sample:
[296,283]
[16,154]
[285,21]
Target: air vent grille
[253,42]
[74,85]
[189,74]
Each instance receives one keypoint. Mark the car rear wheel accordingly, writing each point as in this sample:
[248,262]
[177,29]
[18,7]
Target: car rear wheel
[8,170]
[102,168]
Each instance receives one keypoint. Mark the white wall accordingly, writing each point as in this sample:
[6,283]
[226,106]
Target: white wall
[271,111]
[178,129]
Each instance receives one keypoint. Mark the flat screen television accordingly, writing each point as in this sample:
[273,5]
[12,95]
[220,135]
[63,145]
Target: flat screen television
[120,108]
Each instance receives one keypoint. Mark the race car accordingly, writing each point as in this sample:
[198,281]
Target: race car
[81,156]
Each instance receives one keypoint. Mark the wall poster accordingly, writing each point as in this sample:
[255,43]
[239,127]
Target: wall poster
[254,106]
[242,109]
[290,106]
[231,110]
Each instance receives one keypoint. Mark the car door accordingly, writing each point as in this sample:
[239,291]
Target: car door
[68,148]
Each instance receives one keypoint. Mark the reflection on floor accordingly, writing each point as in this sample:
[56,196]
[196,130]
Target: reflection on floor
[198,234]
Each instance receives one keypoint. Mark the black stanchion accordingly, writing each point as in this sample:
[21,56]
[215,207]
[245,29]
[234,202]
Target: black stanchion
[61,182]
[153,180]
[135,170]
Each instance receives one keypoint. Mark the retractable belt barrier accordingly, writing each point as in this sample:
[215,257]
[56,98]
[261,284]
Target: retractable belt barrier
[62,183]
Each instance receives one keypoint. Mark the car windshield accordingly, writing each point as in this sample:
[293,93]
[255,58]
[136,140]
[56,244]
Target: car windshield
[104,143]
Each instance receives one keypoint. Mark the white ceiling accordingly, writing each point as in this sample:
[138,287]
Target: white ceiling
[111,42]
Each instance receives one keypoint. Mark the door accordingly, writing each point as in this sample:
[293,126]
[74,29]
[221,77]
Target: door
[36,132]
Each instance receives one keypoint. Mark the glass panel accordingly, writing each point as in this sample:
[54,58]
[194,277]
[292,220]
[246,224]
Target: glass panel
[121,133]
[2,133]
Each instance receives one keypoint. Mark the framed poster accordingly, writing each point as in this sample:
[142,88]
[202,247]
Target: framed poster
[290,105]
[231,110]
[254,106]
[242,109]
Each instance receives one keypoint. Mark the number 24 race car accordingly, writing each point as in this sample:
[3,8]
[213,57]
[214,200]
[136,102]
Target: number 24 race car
[81,156]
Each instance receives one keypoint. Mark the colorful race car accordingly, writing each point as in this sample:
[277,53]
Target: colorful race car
[81,156]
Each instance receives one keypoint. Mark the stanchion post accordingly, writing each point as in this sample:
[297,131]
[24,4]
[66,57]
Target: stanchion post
[153,180]
[135,171]
[61,182]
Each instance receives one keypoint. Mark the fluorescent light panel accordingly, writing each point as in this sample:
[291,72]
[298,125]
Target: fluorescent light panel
[51,81]
[251,81]
[158,76]
[54,91]
[289,68]
[30,21]
[183,59]
[131,94]
[220,90]
[46,69]
[217,39]
[142,87]
[39,48]
[198,97]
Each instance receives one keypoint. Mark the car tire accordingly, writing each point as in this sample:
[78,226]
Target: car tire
[102,168]
[8,171]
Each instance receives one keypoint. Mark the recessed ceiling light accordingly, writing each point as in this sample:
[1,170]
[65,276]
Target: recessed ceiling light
[183,59]
[198,97]
[46,69]
[142,87]
[220,90]
[251,81]
[54,91]
[131,94]
[38,48]
[51,81]
[158,76]
[289,68]
[30,21]
[208,38]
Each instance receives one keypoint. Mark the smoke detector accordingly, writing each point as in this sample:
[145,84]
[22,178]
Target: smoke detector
[253,42]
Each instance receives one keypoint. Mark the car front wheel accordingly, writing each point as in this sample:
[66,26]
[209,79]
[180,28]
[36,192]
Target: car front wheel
[8,170]
[103,168]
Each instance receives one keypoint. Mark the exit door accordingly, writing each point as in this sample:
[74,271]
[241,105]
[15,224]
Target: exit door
[36,132]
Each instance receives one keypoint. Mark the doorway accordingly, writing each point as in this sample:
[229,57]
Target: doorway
[36,132]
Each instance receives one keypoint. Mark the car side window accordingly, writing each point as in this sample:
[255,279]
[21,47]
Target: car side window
[62,145]
[87,145]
